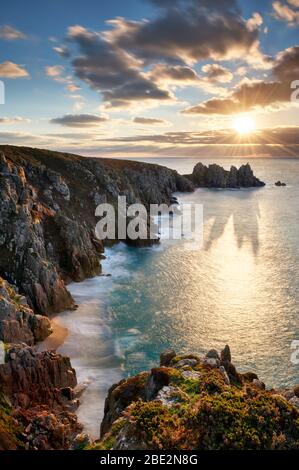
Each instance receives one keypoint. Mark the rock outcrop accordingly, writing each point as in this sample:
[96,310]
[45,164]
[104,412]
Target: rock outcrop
[47,216]
[37,401]
[198,403]
[214,176]
[18,323]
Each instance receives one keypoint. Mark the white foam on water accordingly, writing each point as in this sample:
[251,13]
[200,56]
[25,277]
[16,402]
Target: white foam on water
[89,343]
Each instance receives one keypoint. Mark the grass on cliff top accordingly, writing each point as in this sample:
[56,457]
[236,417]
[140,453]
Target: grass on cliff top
[214,416]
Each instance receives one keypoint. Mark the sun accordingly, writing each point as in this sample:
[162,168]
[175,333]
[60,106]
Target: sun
[244,124]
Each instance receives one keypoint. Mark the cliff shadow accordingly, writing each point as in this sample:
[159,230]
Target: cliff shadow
[242,208]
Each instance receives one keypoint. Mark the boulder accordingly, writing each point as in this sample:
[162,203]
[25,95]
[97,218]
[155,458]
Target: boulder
[166,356]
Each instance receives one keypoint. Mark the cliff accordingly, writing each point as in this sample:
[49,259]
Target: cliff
[47,216]
[190,403]
[47,239]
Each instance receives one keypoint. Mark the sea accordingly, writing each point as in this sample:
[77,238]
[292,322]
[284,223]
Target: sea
[240,288]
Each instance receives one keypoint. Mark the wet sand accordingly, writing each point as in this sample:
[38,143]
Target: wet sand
[56,339]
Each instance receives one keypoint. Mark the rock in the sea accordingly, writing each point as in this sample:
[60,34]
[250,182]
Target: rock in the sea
[279,183]
[214,176]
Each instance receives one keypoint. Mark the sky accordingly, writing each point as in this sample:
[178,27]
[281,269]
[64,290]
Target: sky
[151,77]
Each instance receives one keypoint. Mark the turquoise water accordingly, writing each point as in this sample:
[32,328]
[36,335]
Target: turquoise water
[241,288]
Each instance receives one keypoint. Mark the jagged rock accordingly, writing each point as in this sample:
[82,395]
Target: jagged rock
[213,354]
[120,396]
[158,379]
[259,384]
[214,176]
[47,216]
[81,441]
[199,409]
[18,323]
[249,377]
[294,401]
[187,362]
[224,374]
[30,377]
[279,183]
[226,354]
[166,356]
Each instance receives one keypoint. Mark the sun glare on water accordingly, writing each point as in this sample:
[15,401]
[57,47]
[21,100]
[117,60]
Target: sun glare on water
[244,125]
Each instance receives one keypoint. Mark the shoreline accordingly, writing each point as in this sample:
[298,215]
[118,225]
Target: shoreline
[56,339]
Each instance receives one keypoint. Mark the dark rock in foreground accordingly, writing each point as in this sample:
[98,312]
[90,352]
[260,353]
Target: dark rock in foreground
[279,183]
[198,403]
[214,176]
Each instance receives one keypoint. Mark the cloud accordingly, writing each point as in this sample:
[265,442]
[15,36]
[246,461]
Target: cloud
[14,120]
[72,87]
[188,31]
[11,34]
[79,120]
[173,74]
[284,12]
[249,95]
[112,71]
[63,51]
[11,70]
[216,143]
[54,70]
[217,73]
[286,65]
[150,121]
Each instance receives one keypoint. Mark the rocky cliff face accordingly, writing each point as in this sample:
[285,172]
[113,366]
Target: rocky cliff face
[47,216]
[214,176]
[18,323]
[198,403]
[37,400]
[37,390]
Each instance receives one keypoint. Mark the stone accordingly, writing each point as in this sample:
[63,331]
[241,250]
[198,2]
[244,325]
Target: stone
[18,323]
[156,381]
[296,391]
[166,356]
[211,362]
[214,176]
[213,354]
[81,441]
[224,375]
[294,401]
[259,384]
[226,354]
[249,376]
[189,362]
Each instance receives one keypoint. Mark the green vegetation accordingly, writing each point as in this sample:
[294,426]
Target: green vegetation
[202,412]
[10,431]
